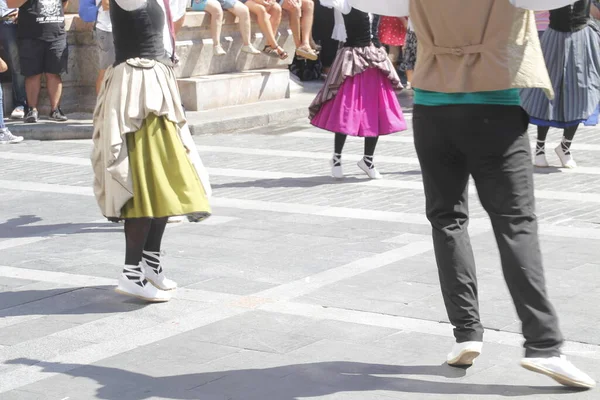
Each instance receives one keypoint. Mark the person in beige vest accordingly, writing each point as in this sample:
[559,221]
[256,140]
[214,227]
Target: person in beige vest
[467,121]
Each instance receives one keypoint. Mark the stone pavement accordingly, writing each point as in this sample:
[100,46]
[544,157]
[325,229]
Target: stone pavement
[299,286]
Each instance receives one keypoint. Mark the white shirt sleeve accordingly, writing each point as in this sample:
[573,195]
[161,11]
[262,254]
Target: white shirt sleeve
[399,8]
[339,27]
[342,6]
[541,5]
[178,8]
[392,8]
[130,5]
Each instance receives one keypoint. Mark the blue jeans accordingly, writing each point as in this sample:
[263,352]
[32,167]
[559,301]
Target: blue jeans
[2,126]
[8,38]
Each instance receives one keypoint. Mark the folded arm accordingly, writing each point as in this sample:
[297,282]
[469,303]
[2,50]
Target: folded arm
[399,8]
[541,5]
[15,3]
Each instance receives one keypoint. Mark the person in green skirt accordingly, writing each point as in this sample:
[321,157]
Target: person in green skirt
[146,166]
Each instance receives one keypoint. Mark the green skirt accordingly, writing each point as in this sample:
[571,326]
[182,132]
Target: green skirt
[165,182]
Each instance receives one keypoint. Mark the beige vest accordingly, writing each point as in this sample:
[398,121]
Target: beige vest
[476,45]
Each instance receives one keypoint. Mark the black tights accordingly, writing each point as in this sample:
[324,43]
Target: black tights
[142,234]
[370,144]
[568,134]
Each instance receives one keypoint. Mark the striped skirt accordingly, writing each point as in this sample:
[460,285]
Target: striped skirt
[573,62]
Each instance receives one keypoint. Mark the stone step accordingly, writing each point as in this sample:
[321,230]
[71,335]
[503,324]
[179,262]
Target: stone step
[233,89]
[221,120]
[194,48]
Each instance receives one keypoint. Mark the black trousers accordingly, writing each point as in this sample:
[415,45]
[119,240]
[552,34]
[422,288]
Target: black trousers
[489,143]
[322,30]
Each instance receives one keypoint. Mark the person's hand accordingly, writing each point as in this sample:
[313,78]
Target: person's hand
[105,5]
[294,3]
[14,16]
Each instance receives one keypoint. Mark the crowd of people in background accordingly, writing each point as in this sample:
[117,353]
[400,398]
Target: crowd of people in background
[33,36]
[34,40]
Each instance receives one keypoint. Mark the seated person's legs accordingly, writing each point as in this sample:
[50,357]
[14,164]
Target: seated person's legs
[238,9]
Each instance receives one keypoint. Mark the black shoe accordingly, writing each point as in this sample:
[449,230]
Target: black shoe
[58,115]
[32,116]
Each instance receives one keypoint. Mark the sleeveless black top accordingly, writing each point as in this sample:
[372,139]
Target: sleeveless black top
[139,33]
[571,18]
[361,32]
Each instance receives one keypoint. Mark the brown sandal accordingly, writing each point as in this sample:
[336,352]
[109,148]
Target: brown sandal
[281,53]
[271,52]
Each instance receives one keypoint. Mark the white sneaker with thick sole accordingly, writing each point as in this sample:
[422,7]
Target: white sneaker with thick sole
[561,370]
[565,159]
[6,137]
[541,161]
[133,283]
[464,353]
[370,171]
[153,271]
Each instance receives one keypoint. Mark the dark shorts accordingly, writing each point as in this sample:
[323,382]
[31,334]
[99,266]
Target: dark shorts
[38,56]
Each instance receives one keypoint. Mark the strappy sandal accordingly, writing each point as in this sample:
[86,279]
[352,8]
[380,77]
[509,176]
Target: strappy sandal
[281,53]
[275,52]
[271,52]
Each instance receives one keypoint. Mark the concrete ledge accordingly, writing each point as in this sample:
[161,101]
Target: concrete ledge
[221,120]
[215,91]
[226,119]
[194,48]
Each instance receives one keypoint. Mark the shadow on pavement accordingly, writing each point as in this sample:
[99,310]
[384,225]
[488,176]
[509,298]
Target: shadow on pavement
[288,382]
[308,182]
[96,302]
[548,170]
[20,227]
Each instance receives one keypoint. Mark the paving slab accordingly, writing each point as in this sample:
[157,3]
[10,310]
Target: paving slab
[299,287]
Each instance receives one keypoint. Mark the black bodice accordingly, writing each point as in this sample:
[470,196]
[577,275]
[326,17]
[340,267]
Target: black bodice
[571,18]
[360,30]
[139,33]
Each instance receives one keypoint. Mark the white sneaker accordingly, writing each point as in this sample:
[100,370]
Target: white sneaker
[464,353]
[336,170]
[18,113]
[133,283]
[218,50]
[565,159]
[370,171]
[176,219]
[559,369]
[250,49]
[153,271]
[8,138]
[541,161]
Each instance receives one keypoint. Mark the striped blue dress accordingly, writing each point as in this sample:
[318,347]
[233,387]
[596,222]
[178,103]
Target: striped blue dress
[573,62]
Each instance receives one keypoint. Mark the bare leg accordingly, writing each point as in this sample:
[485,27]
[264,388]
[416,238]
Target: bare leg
[99,80]
[263,19]
[55,87]
[275,12]
[294,13]
[177,25]
[216,20]
[243,14]
[308,11]
[32,87]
